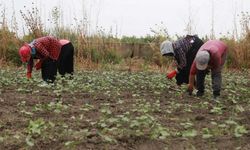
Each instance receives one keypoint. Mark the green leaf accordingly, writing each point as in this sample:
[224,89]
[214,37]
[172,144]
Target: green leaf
[108,139]
[231,122]
[189,133]
[69,143]
[207,136]
[206,133]
[239,131]
[36,126]
[164,135]
[239,108]
[29,141]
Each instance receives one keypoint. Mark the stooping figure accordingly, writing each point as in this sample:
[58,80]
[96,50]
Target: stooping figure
[53,55]
[184,51]
[211,56]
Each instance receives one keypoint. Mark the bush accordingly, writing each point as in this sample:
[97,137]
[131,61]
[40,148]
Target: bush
[95,56]
[107,56]
[12,54]
[9,46]
[110,56]
[232,56]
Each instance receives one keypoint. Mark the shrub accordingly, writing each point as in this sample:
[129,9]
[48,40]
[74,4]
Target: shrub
[110,56]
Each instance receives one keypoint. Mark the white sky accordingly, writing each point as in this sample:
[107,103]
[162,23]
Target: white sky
[136,17]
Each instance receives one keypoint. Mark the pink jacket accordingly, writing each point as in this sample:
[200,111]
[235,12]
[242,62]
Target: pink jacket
[63,41]
[217,50]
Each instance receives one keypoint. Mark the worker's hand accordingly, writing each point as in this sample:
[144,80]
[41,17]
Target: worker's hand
[28,75]
[38,65]
[172,74]
[190,89]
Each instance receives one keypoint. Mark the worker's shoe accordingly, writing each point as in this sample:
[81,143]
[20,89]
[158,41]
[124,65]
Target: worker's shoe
[199,93]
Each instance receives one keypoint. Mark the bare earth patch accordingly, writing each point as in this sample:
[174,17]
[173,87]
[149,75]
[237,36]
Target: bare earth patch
[121,110]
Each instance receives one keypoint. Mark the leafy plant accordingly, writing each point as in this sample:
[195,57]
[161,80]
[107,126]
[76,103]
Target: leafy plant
[36,127]
[206,133]
[240,131]
[189,133]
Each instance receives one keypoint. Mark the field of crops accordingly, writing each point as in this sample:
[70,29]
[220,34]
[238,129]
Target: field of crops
[121,110]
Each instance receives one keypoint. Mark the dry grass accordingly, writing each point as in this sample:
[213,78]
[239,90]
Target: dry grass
[33,21]
[129,65]
[103,48]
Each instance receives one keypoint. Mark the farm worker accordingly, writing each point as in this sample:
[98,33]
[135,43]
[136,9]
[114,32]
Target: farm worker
[52,53]
[211,56]
[184,51]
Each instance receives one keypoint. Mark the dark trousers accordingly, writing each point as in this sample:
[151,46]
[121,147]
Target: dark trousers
[216,82]
[200,79]
[64,64]
[183,75]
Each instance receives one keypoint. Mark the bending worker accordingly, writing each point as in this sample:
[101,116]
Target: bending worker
[211,56]
[53,55]
[184,51]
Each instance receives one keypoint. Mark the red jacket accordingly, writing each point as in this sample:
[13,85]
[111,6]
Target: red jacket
[45,47]
[217,50]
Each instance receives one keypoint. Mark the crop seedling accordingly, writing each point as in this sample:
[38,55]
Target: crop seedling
[119,109]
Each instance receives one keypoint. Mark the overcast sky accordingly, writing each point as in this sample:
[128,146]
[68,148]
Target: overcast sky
[136,17]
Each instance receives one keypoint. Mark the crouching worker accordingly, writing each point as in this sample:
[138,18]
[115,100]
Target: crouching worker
[184,51]
[211,56]
[53,55]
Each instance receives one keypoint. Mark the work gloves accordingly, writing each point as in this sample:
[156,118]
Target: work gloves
[28,75]
[172,74]
[38,65]
[190,89]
